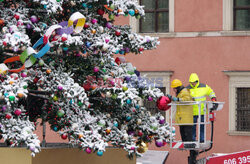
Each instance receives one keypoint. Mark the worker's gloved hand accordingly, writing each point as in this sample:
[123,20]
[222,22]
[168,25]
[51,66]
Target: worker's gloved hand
[169,96]
[175,98]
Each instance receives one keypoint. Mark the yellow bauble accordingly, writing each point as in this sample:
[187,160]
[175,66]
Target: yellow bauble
[142,147]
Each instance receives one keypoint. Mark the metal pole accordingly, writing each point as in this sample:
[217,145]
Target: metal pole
[44,134]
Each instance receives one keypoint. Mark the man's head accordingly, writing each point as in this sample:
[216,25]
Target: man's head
[194,80]
[176,83]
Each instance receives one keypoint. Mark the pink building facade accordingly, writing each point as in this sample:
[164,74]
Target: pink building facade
[203,38]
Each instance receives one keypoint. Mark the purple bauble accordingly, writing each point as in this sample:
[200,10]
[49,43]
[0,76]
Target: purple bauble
[88,150]
[4,108]
[132,148]
[28,26]
[159,143]
[32,148]
[150,98]
[127,78]
[96,69]
[131,133]
[60,88]
[127,50]
[33,19]
[162,121]
[109,25]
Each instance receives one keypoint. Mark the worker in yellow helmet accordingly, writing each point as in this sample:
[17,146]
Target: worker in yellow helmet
[184,113]
[199,91]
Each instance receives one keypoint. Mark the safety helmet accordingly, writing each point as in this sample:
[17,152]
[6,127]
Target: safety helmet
[176,83]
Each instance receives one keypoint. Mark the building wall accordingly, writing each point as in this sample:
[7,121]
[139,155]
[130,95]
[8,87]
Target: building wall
[208,56]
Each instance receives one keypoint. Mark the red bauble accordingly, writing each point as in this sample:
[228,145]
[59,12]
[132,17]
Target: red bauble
[64,136]
[141,49]
[63,39]
[162,103]
[140,133]
[100,11]
[16,16]
[86,25]
[4,43]
[8,116]
[117,33]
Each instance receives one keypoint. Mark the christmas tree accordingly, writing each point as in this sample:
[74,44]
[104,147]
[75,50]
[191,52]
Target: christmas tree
[58,65]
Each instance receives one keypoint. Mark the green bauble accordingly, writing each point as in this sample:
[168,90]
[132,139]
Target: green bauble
[114,96]
[11,98]
[80,103]
[55,98]
[60,113]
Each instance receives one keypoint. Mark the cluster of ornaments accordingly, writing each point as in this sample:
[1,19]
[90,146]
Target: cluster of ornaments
[90,98]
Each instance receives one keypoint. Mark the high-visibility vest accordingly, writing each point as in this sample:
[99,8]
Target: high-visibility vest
[199,93]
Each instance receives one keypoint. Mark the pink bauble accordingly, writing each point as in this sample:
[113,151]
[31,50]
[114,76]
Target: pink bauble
[88,150]
[17,112]
[24,74]
[162,103]
[94,21]
[96,69]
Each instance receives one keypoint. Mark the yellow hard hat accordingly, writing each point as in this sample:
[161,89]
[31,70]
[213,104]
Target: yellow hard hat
[176,83]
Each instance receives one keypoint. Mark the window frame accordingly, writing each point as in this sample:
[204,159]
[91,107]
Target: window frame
[156,11]
[135,23]
[235,8]
[237,79]
[165,75]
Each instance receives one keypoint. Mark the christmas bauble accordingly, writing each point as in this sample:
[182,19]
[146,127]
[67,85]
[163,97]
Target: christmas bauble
[159,143]
[162,103]
[88,150]
[64,136]
[17,112]
[142,147]
[99,153]
[33,19]
[100,11]
[60,113]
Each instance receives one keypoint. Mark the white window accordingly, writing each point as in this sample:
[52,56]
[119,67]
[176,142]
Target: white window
[160,80]
[239,102]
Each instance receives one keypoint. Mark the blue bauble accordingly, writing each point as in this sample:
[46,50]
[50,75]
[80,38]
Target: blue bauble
[131,12]
[99,153]
[55,128]
[84,5]
[45,6]
[137,106]
[128,101]
[116,124]
[128,118]
[65,48]
[6,94]
[122,52]
[88,44]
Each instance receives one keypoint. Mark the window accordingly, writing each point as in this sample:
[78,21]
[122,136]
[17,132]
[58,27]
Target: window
[239,102]
[156,16]
[160,80]
[151,105]
[241,14]
[243,109]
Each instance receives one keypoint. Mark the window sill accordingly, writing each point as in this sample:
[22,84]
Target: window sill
[238,133]
[198,34]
